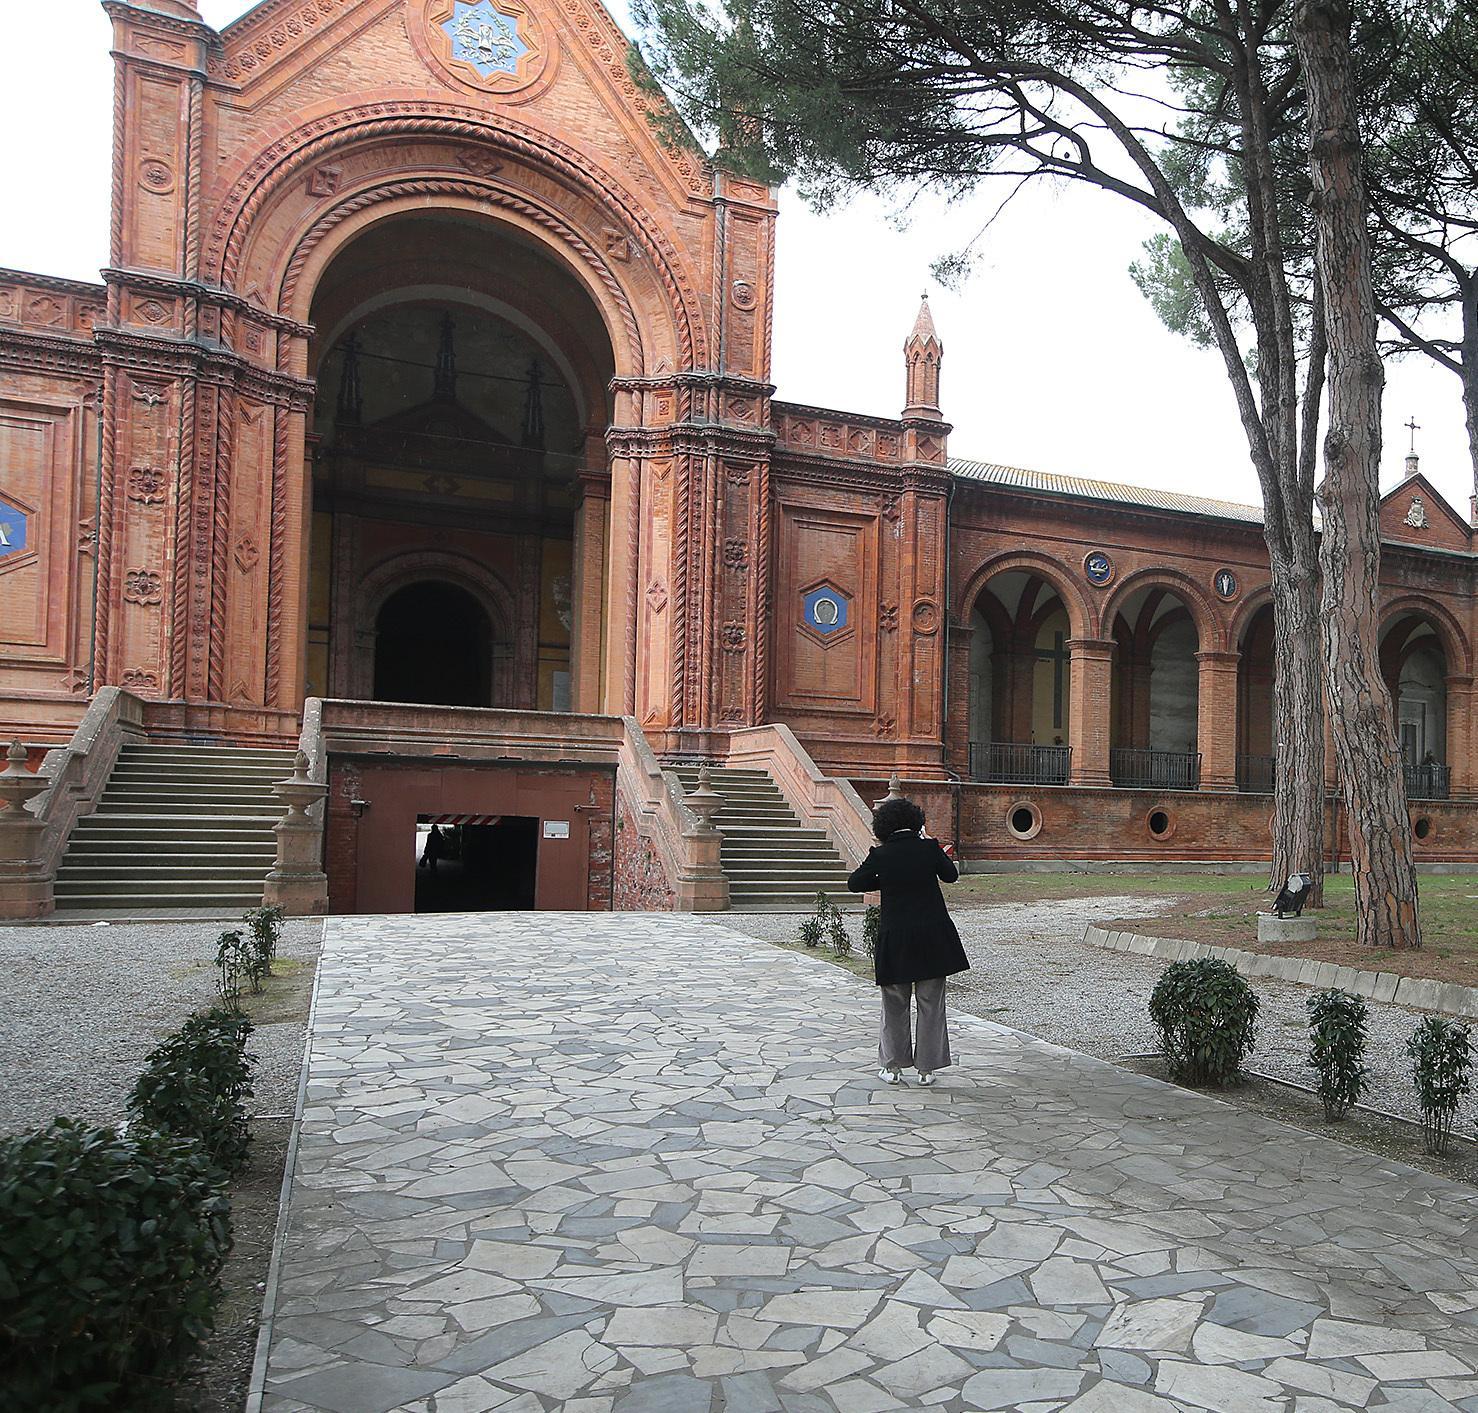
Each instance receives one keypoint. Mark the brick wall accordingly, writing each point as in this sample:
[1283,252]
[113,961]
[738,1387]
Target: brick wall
[641,883]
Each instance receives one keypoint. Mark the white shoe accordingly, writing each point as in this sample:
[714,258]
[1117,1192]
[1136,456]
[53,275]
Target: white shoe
[889,1076]
[926,1076]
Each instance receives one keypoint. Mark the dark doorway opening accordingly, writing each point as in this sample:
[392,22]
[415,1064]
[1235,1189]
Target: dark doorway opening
[433,644]
[487,866]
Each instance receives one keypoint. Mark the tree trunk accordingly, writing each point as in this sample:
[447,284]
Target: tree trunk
[1349,547]
[1470,370]
[1298,718]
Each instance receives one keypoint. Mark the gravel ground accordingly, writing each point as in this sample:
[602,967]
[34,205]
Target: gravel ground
[1030,969]
[81,1005]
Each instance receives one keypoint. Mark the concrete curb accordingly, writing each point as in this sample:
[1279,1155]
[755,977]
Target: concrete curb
[1415,992]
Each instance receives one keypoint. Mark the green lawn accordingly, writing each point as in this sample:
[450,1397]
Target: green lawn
[1222,909]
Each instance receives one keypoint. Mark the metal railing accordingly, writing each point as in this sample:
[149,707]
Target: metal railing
[1428,782]
[1257,775]
[1019,763]
[1136,769]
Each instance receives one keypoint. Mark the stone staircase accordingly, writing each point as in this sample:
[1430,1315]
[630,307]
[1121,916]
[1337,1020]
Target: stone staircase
[772,860]
[178,826]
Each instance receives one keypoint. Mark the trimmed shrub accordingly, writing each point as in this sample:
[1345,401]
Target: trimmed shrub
[1207,1019]
[1337,1049]
[110,1255]
[872,919]
[265,925]
[238,965]
[1441,1052]
[196,1084]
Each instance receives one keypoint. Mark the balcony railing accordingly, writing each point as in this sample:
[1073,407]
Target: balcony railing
[1012,763]
[1257,775]
[1428,782]
[1135,769]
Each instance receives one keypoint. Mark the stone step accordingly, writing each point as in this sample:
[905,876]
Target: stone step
[140,827]
[145,878]
[168,845]
[167,759]
[224,902]
[165,804]
[191,774]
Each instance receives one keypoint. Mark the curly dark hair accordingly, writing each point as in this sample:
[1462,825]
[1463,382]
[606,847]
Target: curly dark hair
[893,815]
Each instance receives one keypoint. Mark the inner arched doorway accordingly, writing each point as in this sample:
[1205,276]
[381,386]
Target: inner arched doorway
[463,376]
[433,644]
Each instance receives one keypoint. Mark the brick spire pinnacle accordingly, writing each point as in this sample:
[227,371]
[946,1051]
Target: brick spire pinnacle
[922,354]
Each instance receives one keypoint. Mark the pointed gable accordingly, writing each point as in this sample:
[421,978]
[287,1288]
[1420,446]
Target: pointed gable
[559,65]
[1415,513]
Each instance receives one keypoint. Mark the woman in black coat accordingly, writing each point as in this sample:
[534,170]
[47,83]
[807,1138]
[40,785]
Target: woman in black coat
[917,943]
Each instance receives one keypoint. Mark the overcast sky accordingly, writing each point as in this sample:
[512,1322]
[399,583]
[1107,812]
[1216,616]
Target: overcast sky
[1053,360]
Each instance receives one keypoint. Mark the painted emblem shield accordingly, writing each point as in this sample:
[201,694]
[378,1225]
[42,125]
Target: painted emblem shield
[485,37]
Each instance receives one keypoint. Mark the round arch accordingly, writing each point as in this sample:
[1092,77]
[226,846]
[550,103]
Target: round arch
[316,247]
[1243,615]
[1028,562]
[354,662]
[1210,632]
[1448,630]
[478,147]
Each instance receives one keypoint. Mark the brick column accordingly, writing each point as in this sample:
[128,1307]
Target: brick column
[961,698]
[1462,737]
[587,591]
[1216,719]
[1089,722]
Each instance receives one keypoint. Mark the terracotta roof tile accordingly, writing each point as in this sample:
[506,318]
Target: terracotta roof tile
[1116,492]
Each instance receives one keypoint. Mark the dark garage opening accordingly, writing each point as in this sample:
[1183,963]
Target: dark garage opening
[480,863]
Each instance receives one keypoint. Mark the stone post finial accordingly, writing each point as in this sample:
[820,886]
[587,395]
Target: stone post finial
[298,884]
[704,800]
[895,787]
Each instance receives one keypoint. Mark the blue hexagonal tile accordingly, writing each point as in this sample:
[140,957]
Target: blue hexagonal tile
[825,609]
[15,528]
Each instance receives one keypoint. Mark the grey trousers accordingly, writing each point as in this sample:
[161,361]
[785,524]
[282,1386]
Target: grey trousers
[897,1049]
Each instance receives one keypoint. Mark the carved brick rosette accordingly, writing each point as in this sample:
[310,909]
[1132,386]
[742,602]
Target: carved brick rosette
[142,586]
[736,554]
[926,617]
[146,485]
[888,618]
[734,637]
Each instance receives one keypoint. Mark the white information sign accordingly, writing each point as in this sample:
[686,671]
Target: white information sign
[556,829]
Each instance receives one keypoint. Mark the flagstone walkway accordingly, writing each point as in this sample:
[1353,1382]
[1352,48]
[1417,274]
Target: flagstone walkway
[641,1164]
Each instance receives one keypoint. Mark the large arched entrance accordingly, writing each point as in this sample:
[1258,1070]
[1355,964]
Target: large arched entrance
[462,387]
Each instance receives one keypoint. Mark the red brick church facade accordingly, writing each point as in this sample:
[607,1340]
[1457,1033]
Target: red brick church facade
[422,371]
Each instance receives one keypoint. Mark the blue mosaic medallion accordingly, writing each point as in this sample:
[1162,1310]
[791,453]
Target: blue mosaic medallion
[483,36]
[825,610]
[15,527]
